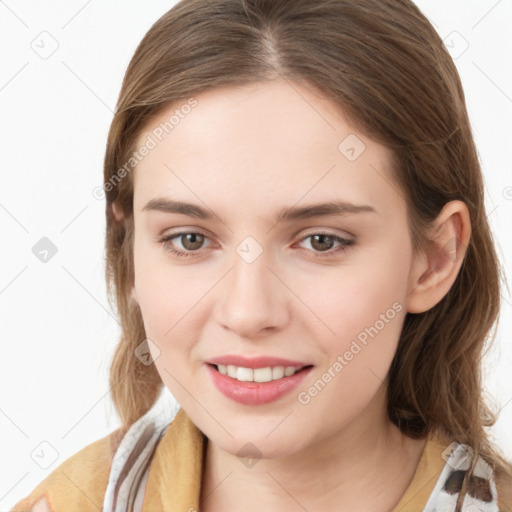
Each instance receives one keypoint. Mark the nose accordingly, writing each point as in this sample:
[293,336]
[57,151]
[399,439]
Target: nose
[252,299]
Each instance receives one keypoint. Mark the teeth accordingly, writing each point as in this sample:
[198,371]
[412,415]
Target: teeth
[244,374]
[258,374]
[262,374]
[277,372]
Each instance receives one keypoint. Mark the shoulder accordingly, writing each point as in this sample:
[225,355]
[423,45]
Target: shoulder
[504,489]
[458,458]
[79,483]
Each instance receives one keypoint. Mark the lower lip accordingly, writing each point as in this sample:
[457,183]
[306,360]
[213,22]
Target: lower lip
[255,393]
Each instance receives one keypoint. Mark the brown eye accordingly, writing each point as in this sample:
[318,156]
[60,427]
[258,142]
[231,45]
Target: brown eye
[192,241]
[322,242]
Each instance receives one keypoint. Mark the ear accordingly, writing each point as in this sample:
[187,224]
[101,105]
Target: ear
[133,295]
[434,271]
[117,211]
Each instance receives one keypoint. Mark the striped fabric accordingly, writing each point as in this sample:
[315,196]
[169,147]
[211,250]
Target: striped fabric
[157,464]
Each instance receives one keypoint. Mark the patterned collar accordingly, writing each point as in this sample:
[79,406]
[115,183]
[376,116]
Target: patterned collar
[146,479]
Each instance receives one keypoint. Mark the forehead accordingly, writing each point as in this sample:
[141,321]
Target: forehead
[258,144]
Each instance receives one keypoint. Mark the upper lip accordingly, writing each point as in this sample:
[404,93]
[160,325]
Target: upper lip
[255,362]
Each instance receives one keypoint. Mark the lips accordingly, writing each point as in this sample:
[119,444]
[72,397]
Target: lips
[258,380]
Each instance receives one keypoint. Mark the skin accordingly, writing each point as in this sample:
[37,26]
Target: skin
[245,153]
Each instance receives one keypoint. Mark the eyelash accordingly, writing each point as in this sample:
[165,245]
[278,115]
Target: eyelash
[345,244]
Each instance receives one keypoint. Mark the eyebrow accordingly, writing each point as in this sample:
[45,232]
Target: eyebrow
[287,214]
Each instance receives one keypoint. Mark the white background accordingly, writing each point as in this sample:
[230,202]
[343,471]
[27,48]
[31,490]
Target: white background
[57,330]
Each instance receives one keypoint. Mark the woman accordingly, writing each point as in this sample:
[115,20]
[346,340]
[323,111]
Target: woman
[298,248]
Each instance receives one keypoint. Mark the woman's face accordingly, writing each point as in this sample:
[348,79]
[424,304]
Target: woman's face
[260,276]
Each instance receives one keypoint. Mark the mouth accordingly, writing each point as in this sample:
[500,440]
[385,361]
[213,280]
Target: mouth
[256,386]
[260,375]
[256,380]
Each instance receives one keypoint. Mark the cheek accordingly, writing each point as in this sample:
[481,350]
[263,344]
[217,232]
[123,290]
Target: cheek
[156,293]
[363,301]
[169,297]
[363,306]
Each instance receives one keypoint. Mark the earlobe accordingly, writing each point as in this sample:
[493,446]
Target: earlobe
[434,271]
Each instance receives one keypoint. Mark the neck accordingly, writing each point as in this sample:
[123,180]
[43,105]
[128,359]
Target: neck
[366,465]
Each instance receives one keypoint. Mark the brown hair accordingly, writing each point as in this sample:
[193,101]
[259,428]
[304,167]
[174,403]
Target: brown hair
[386,67]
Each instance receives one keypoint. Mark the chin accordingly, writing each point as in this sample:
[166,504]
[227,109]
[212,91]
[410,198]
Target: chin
[257,445]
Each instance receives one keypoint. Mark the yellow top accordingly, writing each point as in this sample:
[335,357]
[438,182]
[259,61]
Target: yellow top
[174,478]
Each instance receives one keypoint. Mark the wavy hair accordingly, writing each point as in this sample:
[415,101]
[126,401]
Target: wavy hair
[385,66]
